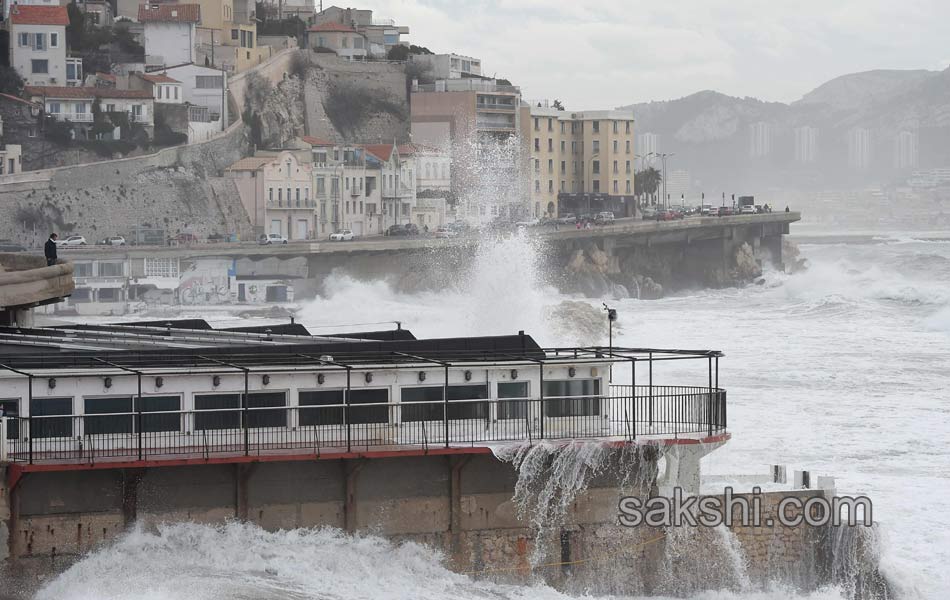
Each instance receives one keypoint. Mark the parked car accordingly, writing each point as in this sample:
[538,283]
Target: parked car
[604,218]
[726,211]
[712,212]
[648,213]
[747,210]
[116,240]
[445,233]
[528,223]
[677,213]
[664,215]
[403,230]
[73,240]
[344,235]
[567,219]
[272,238]
[707,209]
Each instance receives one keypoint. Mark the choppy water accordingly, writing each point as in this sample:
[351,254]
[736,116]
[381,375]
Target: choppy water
[843,370]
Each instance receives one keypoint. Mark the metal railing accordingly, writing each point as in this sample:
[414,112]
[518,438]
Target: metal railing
[626,413]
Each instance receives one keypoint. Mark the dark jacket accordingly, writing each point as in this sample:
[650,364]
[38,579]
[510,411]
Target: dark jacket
[50,250]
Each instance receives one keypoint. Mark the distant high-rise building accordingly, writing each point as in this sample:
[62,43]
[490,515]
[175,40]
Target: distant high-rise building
[646,143]
[806,145]
[760,139]
[677,186]
[905,150]
[859,148]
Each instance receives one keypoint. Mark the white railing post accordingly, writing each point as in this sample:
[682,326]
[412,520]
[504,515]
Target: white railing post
[3,440]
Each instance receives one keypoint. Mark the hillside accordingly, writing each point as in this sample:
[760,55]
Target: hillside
[710,132]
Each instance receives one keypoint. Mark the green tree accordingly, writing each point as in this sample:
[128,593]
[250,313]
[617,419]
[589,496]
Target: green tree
[647,181]
[557,104]
[10,81]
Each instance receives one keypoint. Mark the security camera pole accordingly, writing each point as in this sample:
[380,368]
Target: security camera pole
[611,317]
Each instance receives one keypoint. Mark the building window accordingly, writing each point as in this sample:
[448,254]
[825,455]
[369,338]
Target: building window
[54,39]
[428,403]
[550,145]
[628,146]
[596,167]
[537,165]
[161,267]
[596,149]
[537,144]
[628,167]
[209,82]
[537,126]
[224,411]
[51,428]
[575,397]
[550,124]
[616,187]
[563,186]
[616,127]
[628,128]
[550,186]
[537,185]
[615,168]
[117,415]
[234,34]
[628,186]
[562,145]
[596,126]
[270,194]
[40,66]
[24,39]
[111,269]
[615,145]
[563,167]
[550,165]
[321,186]
[39,41]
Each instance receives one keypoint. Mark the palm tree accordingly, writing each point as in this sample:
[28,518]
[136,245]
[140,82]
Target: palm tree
[646,182]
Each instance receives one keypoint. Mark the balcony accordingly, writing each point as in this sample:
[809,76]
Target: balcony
[83,117]
[292,204]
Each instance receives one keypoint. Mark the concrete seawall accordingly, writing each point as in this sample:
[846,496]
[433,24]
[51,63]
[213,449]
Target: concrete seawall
[459,502]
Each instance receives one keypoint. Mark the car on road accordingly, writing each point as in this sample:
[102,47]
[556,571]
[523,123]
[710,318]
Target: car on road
[648,213]
[445,233]
[528,223]
[116,240]
[726,211]
[604,218]
[747,210]
[73,240]
[664,215]
[712,211]
[404,230]
[707,209]
[272,238]
[678,213]
[567,219]
[344,235]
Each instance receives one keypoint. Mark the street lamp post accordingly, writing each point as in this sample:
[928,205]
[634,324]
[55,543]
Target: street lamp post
[663,156]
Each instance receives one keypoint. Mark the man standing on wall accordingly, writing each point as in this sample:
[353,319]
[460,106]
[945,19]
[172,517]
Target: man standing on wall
[50,250]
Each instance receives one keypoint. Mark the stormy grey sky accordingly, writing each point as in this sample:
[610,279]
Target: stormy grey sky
[605,53]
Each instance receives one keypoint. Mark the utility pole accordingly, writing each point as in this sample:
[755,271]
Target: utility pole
[663,156]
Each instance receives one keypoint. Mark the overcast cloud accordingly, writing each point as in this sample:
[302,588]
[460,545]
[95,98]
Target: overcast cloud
[605,53]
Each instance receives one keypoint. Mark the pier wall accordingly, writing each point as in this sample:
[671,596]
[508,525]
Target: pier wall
[461,504]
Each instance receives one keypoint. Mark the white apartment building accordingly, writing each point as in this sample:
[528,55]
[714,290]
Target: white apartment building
[170,32]
[806,144]
[203,86]
[37,46]
[10,159]
[75,104]
[164,89]
[433,168]
[760,139]
[859,148]
[277,192]
[398,182]
[449,66]
[346,188]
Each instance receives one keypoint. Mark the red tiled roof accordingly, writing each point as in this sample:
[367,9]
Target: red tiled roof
[106,77]
[38,15]
[159,78]
[84,92]
[380,151]
[169,13]
[331,27]
[17,99]
[313,141]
